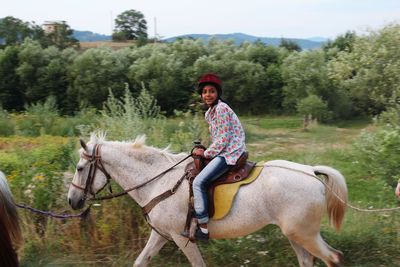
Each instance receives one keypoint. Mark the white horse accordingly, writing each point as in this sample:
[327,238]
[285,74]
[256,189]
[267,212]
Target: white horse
[286,194]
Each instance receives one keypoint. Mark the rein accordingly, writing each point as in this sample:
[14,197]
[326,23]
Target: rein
[96,163]
[126,191]
[82,215]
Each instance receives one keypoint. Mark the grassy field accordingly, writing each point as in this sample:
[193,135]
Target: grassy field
[367,239]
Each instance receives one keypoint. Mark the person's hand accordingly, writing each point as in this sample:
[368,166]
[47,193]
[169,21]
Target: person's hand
[198,152]
[398,190]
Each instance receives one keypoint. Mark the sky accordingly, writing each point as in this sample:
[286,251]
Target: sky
[261,18]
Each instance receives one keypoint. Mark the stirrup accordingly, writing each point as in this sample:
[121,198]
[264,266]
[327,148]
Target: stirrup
[191,232]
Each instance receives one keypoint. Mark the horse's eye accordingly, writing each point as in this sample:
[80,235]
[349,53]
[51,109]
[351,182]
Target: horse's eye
[79,169]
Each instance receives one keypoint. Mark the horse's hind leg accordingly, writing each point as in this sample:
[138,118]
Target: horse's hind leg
[331,256]
[191,250]
[320,249]
[303,256]
[153,246]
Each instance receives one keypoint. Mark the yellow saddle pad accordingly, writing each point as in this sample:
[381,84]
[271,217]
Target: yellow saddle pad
[225,193]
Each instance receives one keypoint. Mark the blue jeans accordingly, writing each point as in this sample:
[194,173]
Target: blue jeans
[211,172]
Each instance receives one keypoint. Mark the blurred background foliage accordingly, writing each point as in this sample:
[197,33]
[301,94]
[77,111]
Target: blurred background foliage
[352,75]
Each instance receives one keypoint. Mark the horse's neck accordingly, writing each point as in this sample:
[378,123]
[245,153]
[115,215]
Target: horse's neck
[131,167]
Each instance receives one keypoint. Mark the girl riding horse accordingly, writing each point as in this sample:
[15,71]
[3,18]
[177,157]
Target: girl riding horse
[227,146]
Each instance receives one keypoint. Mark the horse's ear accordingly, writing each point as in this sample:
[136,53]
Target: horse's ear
[83,144]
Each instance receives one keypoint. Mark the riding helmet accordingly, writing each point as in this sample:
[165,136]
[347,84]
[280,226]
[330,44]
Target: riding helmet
[212,79]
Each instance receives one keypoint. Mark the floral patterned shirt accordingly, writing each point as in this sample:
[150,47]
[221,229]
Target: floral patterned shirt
[227,134]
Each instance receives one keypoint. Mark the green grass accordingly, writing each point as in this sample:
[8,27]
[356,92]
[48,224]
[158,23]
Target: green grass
[367,239]
[274,122]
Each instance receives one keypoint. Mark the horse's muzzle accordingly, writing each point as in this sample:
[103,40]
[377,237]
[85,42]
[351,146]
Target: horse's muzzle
[76,205]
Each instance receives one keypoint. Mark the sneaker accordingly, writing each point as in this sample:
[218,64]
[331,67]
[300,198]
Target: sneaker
[200,236]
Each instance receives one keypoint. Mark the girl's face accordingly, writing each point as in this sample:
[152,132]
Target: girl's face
[209,95]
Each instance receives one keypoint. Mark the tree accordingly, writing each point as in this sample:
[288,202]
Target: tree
[260,53]
[93,73]
[30,68]
[289,45]
[370,72]
[11,95]
[13,30]
[342,42]
[43,72]
[307,73]
[304,74]
[161,74]
[62,36]
[130,25]
[244,82]
[315,107]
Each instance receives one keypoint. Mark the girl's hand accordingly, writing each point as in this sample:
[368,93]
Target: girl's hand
[199,152]
[398,190]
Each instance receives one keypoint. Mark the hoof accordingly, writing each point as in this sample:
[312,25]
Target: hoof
[338,260]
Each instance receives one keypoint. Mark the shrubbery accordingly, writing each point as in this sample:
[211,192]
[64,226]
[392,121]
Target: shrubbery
[357,75]
[6,125]
[314,106]
[379,152]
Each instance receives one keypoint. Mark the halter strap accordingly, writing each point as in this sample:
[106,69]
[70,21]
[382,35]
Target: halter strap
[95,163]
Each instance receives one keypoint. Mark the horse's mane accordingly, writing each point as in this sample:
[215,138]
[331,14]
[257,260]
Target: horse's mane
[98,137]
[139,142]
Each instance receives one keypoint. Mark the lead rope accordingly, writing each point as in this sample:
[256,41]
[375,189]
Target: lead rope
[82,215]
[334,193]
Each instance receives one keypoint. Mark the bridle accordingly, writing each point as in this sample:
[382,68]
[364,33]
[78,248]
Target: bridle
[96,163]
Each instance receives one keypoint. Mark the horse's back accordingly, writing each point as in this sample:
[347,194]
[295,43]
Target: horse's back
[284,193]
[289,165]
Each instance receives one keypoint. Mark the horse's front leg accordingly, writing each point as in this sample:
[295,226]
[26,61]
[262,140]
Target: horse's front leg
[191,250]
[153,246]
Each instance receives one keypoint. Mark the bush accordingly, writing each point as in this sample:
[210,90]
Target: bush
[6,125]
[313,105]
[128,117]
[36,164]
[185,129]
[379,153]
[38,119]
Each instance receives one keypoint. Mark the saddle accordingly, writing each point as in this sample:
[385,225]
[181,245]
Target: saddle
[217,193]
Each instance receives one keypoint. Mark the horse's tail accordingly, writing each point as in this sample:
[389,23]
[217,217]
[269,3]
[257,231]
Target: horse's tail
[10,231]
[336,194]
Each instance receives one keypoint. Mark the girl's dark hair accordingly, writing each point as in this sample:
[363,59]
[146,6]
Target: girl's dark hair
[226,102]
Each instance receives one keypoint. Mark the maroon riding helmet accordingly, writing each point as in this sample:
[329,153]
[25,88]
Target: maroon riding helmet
[210,79]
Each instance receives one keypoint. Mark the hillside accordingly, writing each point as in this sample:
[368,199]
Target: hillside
[88,36]
[238,38]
